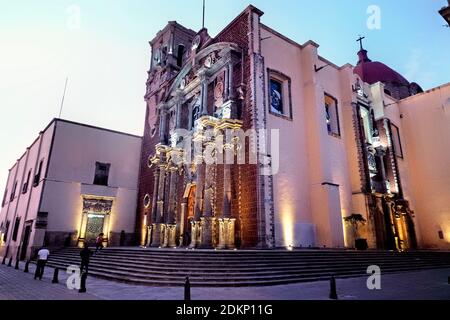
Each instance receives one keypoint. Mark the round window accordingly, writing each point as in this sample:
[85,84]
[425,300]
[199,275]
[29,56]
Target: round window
[147,201]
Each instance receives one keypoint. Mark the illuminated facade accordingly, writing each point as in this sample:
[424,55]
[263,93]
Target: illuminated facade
[328,142]
[74,182]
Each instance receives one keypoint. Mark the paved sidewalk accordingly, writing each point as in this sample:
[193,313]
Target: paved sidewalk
[423,285]
[17,285]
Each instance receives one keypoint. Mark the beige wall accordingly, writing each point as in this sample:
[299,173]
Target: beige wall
[312,190]
[25,205]
[75,150]
[309,212]
[426,127]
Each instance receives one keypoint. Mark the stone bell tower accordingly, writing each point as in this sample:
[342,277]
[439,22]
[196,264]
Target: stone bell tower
[170,52]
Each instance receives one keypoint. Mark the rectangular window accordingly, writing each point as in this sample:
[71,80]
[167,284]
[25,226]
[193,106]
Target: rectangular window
[101,174]
[280,103]
[5,237]
[37,177]
[13,193]
[16,229]
[396,141]
[4,197]
[332,116]
[27,182]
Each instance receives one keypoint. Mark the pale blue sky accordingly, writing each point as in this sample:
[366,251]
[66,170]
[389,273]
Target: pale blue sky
[106,59]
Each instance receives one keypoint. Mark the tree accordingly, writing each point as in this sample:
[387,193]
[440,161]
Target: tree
[355,220]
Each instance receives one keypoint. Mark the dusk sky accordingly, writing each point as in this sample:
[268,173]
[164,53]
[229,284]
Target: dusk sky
[106,55]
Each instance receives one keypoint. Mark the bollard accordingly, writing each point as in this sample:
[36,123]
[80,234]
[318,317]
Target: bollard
[10,262]
[17,264]
[187,290]
[333,293]
[83,283]
[55,276]
[27,264]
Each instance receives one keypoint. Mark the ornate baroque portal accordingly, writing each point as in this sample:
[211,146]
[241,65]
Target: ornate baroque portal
[199,112]
[95,219]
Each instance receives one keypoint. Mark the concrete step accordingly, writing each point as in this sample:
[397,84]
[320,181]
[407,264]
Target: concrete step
[242,268]
[138,264]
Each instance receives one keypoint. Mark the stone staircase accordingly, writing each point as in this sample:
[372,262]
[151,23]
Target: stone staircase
[160,267]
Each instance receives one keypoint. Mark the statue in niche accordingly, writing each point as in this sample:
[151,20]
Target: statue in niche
[218,94]
[172,121]
[196,112]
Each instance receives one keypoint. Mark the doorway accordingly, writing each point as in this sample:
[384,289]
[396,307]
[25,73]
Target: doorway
[26,240]
[94,226]
[189,216]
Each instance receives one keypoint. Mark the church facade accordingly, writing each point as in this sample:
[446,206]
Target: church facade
[255,141]
[251,140]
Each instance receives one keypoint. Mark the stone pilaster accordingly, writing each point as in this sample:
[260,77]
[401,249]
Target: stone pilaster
[204,92]
[158,230]
[195,234]
[226,191]
[182,218]
[158,227]
[226,233]
[207,227]
[171,212]
[226,221]
[171,233]
[154,211]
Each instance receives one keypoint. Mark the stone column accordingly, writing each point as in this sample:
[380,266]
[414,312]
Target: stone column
[226,222]
[196,224]
[226,233]
[158,227]
[207,221]
[204,92]
[182,219]
[165,239]
[199,201]
[230,85]
[154,211]
[170,235]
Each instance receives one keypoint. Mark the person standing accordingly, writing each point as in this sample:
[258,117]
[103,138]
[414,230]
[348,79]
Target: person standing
[85,255]
[99,242]
[41,262]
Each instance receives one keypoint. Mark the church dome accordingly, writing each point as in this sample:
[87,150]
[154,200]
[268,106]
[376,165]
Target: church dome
[373,71]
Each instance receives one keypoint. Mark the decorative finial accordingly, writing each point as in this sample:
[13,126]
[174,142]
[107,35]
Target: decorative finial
[360,40]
